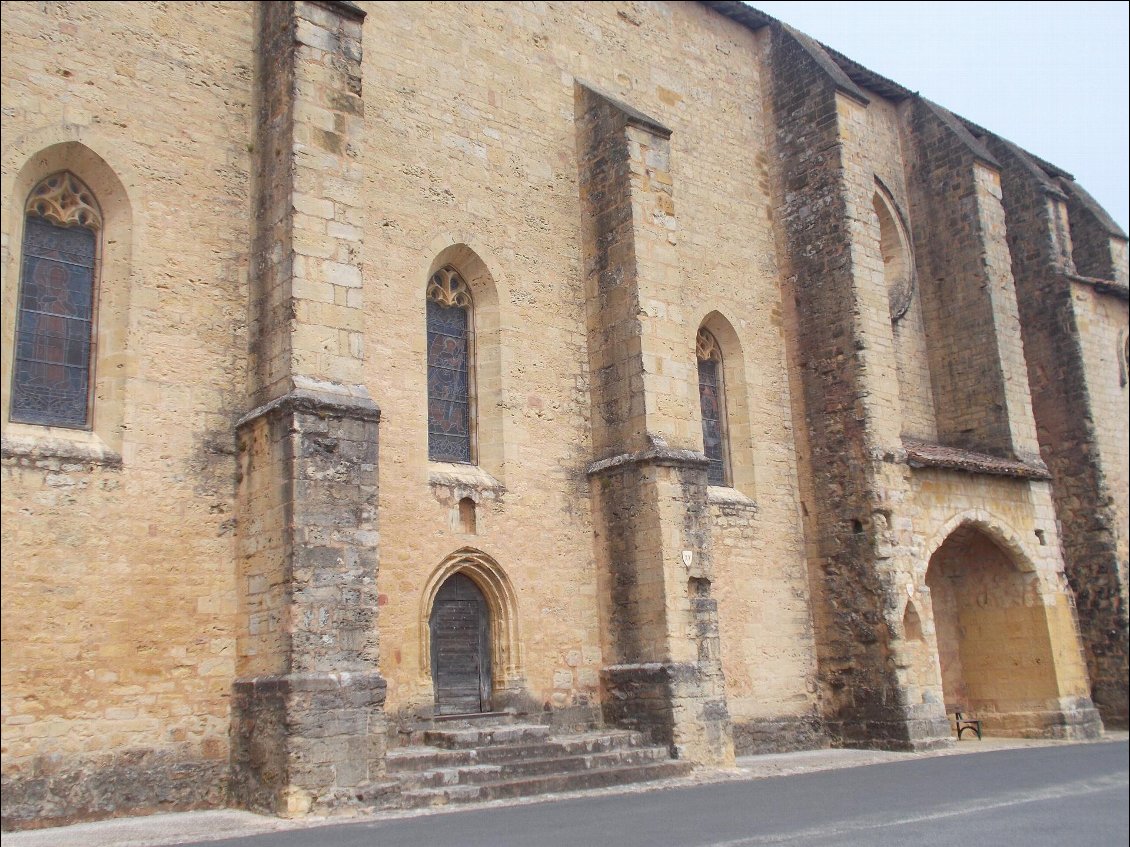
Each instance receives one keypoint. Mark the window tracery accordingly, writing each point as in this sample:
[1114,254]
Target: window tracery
[63,200]
[449,311]
[51,375]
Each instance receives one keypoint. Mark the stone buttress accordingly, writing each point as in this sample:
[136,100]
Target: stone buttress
[1068,260]
[862,693]
[984,410]
[649,481]
[877,494]
[308,723]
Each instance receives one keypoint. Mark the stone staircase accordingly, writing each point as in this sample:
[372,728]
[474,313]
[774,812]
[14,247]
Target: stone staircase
[467,763]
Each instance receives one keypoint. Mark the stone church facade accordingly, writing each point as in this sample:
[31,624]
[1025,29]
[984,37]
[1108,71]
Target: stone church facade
[638,365]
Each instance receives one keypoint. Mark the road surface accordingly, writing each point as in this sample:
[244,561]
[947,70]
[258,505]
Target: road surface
[1072,795]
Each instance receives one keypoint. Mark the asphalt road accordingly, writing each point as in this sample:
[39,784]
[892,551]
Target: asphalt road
[1074,795]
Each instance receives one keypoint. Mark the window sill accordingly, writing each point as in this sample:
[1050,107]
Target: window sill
[57,448]
[464,481]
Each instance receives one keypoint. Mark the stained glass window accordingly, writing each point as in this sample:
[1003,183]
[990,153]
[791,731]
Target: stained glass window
[449,368]
[54,332]
[711,402]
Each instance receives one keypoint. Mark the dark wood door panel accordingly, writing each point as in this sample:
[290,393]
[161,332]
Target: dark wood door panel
[460,648]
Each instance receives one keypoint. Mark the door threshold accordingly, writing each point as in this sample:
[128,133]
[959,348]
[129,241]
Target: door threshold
[471,716]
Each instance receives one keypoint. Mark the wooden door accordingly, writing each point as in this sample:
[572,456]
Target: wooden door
[460,625]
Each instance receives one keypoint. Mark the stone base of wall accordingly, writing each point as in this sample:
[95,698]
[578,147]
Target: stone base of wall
[56,790]
[1075,720]
[1110,699]
[886,738]
[638,698]
[576,718]
[779,735]
[307,742]
[672,703]
[915,729]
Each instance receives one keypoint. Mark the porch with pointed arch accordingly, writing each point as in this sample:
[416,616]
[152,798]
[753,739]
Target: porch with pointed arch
[1006,643]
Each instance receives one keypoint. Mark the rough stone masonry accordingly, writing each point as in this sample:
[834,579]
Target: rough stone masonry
[220,592]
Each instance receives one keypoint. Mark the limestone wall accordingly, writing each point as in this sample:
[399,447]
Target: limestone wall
[847,246]
[1024,574]
[892,362]
[119,594]
[977,360]
[1072,326]
[479,109]
[892,320]
[829,373]
[1103,331]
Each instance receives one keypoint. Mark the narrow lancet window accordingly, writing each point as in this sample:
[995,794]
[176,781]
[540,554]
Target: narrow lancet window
[712,403]
[450,411]
[51,373]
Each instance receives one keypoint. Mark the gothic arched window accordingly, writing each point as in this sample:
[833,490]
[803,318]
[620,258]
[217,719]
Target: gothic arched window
[450,372]
[711,398]
[51,374]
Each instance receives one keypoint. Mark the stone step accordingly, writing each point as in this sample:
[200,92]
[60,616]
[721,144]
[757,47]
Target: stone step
[477,774]
[544,784]
[474,737]
[408,759]
[412,734]
[477,719]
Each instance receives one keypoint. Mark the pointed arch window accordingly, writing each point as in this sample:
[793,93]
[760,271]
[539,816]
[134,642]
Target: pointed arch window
[450,368]
[711,398]
[52,365]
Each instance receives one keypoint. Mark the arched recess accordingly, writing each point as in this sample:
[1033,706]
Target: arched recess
[905,311]
[1003,652]
[1003,535]
[735,384]
[507,674]
[112,363]
[912,622]
[898,262]
[1123,354]
[486,378]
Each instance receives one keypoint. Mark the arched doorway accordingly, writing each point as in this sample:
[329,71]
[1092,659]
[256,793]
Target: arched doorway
[459,627]
[993,639]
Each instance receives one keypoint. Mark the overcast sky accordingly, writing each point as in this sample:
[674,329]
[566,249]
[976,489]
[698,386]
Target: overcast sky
[1051,77]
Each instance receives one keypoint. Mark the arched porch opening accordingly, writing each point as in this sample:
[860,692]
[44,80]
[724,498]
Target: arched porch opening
[994,644]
